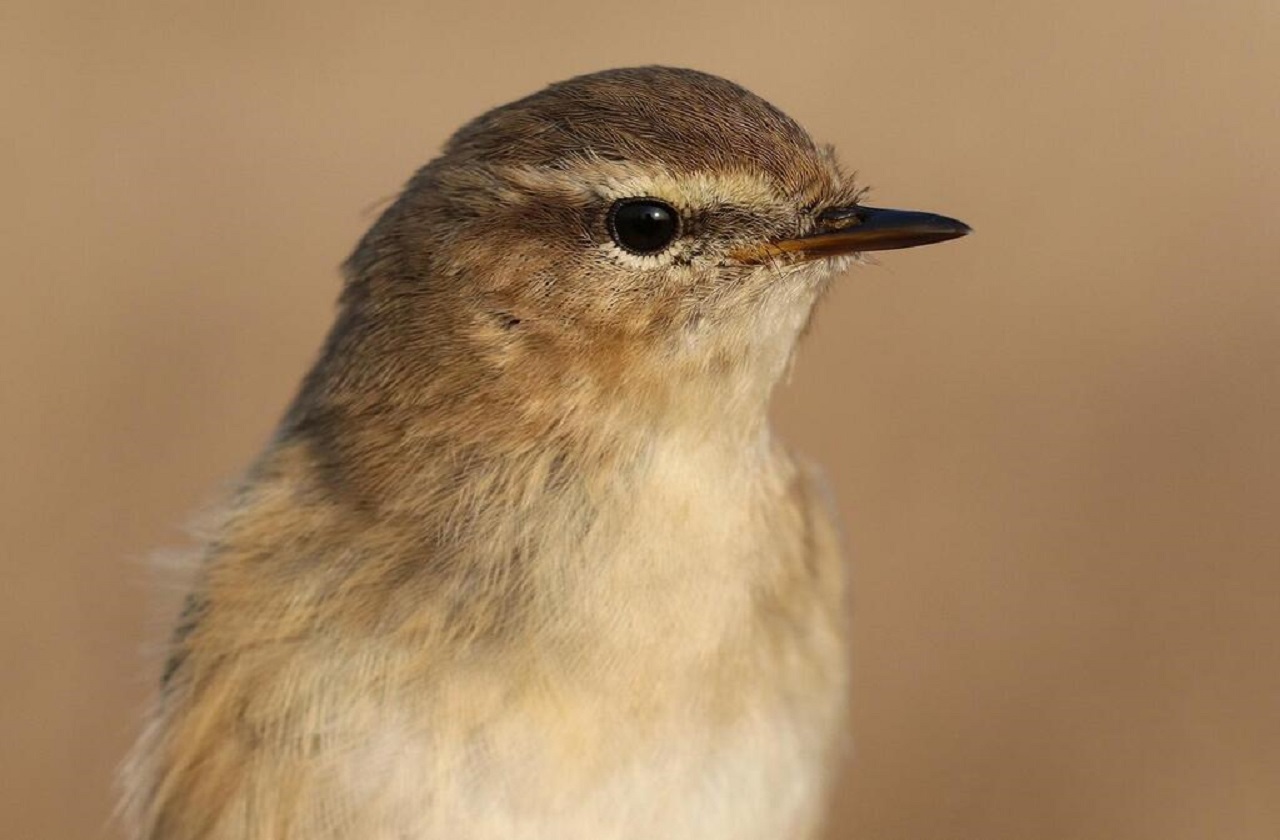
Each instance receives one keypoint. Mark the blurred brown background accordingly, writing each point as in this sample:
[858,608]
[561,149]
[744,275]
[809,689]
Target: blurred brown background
[1056,443]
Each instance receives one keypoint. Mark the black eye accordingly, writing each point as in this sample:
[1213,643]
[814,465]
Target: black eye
[643,225]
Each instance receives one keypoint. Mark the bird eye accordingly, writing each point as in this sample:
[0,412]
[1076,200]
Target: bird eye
[643,225]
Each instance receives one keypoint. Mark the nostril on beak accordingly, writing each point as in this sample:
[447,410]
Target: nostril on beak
[840,217]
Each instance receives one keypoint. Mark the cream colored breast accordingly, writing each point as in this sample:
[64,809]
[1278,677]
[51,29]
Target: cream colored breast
[643,708]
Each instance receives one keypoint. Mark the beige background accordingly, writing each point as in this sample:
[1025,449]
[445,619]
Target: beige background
[1056,443]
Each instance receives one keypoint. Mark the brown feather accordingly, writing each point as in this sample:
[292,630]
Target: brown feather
[524,558]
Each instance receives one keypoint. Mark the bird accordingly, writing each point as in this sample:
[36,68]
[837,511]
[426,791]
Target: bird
[524,557]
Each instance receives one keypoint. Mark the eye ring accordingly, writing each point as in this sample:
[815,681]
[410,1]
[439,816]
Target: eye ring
[643,226]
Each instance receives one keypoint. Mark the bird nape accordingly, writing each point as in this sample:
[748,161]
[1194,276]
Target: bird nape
[524,558]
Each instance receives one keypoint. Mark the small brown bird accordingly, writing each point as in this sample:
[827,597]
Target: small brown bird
[524,558]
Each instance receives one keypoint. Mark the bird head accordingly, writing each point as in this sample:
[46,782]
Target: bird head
[652,238]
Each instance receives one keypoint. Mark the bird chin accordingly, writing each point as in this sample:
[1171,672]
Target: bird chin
[842,262]
[823,268]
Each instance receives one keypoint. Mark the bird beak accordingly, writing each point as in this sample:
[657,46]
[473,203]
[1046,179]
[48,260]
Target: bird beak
[848,230]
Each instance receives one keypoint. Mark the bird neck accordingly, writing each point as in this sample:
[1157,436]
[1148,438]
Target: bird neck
[449,474]
[396,416]
[397,455]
